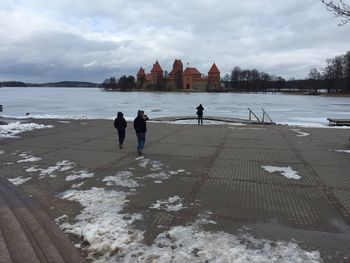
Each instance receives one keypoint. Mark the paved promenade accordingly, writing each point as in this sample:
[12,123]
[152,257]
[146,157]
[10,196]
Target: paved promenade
[219,169]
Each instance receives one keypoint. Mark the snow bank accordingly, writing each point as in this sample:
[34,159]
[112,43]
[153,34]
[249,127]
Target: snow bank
[101,223]
[192,244]
[287,172]
[10,130]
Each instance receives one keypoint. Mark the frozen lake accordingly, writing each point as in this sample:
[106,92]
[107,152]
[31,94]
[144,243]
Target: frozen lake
[311,111]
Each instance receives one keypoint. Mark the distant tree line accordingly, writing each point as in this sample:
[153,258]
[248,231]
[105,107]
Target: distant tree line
[124,83]
[335,77]
[252,80]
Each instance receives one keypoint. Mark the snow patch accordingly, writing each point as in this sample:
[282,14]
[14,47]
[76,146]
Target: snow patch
[192,244]
[172,204]
[10,130]
[28,158]
[287,172]
[19,180]
[300,133]
[59,166]
[63,121]
[122,179]
[102,224]
[77,185]
[79,175]
[342,151]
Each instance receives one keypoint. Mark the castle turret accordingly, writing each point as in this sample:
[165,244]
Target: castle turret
[214,77]
[157,73]
[141,78]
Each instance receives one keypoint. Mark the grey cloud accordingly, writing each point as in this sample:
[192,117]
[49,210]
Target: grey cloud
[113,37]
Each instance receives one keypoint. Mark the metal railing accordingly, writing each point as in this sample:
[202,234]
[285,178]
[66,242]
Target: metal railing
[252,113]
[265,117]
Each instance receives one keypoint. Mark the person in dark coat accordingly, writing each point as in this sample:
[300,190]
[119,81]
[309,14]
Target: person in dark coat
[140,129]
[120,124]
[200,110]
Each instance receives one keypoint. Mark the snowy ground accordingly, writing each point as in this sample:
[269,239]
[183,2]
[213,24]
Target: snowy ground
[108,234]
[11,130]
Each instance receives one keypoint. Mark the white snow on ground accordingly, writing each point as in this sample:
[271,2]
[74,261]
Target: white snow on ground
[172,204]
[61,218]
[192,244]
[287,172]
[59,166]
[65,165]
[77,185]
[122,179]
[19,180]
[342,151]
[162,175]
[2,152]
[31,169]
[28,158]
[102,224]
[252,128]
[52,116]
[63,121]
[300,133]
[10,130]
[79,175]
[111,237]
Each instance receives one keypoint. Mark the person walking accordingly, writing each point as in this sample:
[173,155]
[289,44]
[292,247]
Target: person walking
[200,110]
[120,124]
[140,129]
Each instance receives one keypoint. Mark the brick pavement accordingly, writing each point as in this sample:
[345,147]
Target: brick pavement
[225,177]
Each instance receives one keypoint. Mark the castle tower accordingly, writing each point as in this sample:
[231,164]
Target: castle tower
[157,73]
[141,78]
[176,73]
[214,77]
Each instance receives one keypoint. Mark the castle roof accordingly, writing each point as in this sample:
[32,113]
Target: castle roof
[177,62]
[141,72]
[156,67]
[191,71]
[213,69]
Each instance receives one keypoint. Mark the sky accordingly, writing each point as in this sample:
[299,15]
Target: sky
[91,40]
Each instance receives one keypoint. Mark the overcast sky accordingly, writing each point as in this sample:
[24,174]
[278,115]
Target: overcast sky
[90,40]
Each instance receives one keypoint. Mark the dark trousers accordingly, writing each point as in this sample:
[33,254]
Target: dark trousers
[200,119]
[121,135]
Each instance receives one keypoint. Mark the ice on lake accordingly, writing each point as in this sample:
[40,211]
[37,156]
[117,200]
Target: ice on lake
[81,103]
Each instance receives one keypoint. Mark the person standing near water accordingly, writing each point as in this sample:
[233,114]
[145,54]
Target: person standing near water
[200,110]
[140,129]
[120,124]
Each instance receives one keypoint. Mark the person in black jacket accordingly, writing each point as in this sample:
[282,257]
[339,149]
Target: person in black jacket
[140,129]
[200,110]
[120,124]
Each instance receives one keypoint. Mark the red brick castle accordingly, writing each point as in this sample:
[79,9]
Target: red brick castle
[178,79]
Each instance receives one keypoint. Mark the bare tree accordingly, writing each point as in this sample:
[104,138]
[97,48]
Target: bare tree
[340,9]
